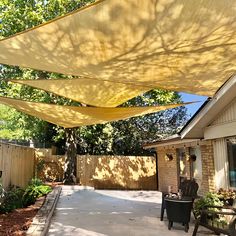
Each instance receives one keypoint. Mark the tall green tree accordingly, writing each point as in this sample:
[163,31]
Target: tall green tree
[122,137]
[126,137]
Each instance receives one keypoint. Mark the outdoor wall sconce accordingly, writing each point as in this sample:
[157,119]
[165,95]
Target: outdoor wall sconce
[187,156]
[168,157]
[191,157]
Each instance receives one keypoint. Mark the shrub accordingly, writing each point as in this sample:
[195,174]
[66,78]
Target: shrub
[33,192]
[11,199]
[36,182]
[16,197]
[2,194]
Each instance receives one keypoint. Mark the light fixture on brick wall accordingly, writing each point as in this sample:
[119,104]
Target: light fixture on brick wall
[187,156]
[191,157]
[169,157]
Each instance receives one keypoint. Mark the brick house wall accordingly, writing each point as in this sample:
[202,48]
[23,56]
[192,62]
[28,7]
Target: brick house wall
[167,170]
[168,173]
[208,168]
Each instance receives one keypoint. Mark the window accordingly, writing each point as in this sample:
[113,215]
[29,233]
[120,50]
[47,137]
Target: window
[231,146]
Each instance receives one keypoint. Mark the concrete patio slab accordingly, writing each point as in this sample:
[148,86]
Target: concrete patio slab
[87,212]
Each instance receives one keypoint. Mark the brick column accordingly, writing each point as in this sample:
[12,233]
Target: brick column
[208,169]
[167,170]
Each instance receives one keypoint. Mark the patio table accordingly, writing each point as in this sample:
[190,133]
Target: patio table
[178,210]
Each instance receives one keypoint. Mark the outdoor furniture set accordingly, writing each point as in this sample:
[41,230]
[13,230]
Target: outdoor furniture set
[178,210]
[219,219]
[178,206]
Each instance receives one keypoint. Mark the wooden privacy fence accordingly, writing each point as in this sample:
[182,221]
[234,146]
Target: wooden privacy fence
[117,172]
[102,172]
[16,164]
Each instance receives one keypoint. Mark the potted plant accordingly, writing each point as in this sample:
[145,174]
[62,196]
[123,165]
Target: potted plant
[210,199]
[226,196]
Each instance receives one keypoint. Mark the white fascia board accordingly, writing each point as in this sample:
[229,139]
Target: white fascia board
[164,144]
[220,131]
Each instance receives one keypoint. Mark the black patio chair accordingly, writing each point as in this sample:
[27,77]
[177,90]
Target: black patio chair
[221,220]
[188,188]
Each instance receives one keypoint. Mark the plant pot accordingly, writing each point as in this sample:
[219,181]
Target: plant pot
[228,201]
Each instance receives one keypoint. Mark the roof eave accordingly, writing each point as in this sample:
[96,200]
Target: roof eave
[209,110]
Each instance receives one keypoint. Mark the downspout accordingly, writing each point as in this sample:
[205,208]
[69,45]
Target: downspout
[155,155]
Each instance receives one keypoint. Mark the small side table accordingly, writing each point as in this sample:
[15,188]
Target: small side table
[178,210]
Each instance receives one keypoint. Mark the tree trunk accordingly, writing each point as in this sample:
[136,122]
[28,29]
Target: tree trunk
[70,160]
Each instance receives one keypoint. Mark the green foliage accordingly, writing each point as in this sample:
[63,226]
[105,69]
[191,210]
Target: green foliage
[6,118]
[2,194]
[34,191]
[16,16]
[127,136]
[210,199]
[19,15]
[36,182]
[12,199]
[16,197]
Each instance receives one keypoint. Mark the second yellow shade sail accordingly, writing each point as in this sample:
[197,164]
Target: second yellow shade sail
[88,91]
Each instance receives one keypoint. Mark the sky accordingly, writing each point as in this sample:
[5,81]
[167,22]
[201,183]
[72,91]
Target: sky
[192,108]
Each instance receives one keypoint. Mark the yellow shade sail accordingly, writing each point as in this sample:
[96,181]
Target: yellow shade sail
[89,91]
[181,45]
[73,116]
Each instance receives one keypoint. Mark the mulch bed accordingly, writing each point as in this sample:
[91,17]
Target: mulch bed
[18,221]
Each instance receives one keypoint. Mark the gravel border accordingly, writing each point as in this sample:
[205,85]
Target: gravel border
[41,221]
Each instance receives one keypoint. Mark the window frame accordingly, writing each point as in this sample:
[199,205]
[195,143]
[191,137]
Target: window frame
[228,140]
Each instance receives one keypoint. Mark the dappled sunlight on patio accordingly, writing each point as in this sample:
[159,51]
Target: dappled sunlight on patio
[106,212]
[140,196]
[78,231]
[102,212]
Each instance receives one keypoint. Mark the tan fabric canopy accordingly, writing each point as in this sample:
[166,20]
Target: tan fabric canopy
[72,116]
[88,91]
[182,45]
